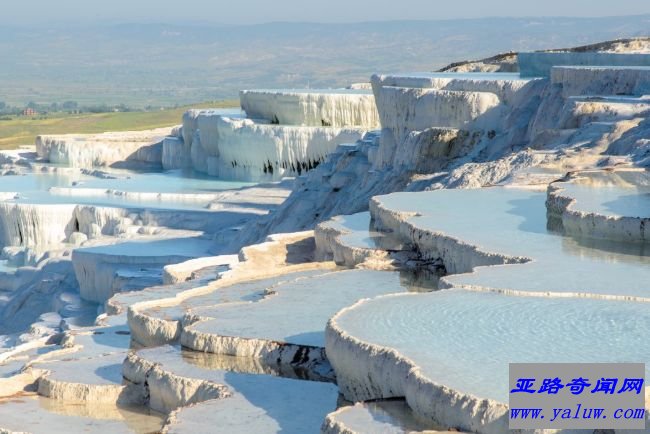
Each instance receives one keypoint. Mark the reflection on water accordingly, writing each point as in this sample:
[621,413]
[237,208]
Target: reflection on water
[421,279]
[252,365]
[72,186]
[387,415]
[618,193]
[38,414]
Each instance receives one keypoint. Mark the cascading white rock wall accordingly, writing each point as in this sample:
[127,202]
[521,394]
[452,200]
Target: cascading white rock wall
[30,225]
[97,273]
[508,88]
[403,110]
[173,153]
[539,64]
[239,148]
[407,110]
[343,108]
[603,80]
[88,150]
[578,112]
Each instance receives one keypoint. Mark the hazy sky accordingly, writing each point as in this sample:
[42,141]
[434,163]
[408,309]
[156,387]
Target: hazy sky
[256,11]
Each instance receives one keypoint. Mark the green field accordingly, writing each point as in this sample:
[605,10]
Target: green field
[21,130]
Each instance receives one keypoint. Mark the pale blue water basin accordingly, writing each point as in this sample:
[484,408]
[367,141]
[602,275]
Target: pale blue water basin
[387,417]
[620,193]
[465,340]
[162,190]
[299,310]
[172,181]
[39,181]
[359,232]
[259,403]
[512,222]
[6,268]
[205,305]
[190,247]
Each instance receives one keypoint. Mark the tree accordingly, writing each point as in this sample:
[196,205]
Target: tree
[70,105]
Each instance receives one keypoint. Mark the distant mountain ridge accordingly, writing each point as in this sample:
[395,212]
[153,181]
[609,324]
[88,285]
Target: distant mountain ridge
[164,64]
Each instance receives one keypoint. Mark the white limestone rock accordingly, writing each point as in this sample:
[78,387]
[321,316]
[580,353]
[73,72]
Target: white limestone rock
[581,111]
[594,219]
[540,63]
[249,150]
[92,150]
[232,400]
[388,416]
[602,80]
[174,155]
[326,108]
[97,268]
[403,110]
[24,224]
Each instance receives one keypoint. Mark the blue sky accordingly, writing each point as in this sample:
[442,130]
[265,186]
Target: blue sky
[256,11]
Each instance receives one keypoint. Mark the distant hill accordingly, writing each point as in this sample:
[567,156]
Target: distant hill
[165,64]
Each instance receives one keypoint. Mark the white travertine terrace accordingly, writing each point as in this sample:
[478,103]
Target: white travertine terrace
[39,415]
[603,204]
[602,80]
[350,241]
[512,231]
[236,401]
[507,86]
[148,251]
[97,267]
[249,150]
[415,109]
[279,137]
[540,64]
[389,417]
[314,108]
[581,111]
[96,150]
[228,329]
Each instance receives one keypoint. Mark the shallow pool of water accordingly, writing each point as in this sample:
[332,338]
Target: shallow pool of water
[621,193]
[164,190]
[466,339]
[512,222]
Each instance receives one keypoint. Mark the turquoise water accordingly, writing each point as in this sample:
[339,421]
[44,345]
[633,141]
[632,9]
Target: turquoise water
[51,188]
[189,247]
[620,193]
[298,311]
[259,403]
[513,222]
[465,340]
[172,181]
[359,232]
[387,417]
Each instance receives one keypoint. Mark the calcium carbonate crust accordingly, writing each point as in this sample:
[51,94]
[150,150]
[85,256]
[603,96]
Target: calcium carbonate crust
[561,206]
[366,371]
[330,246]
